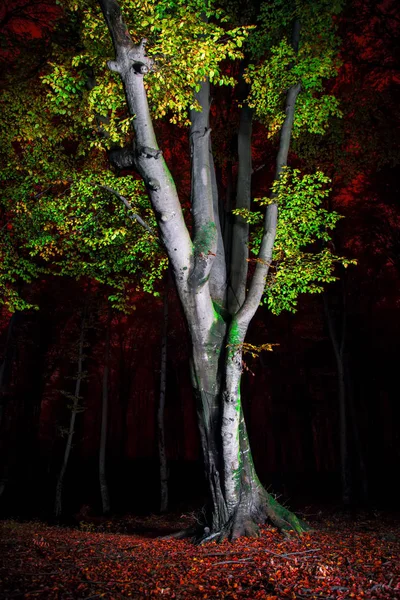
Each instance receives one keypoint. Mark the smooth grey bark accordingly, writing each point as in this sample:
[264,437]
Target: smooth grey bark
[218,275]
[287,127]
[71,429]
[162,455]
[238,502]
[240,233]
[228,217]
[104,492]
[240,228]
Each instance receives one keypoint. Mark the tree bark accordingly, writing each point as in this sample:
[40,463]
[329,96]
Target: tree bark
[105,496]
[338,348]
[240,228]
[71,430]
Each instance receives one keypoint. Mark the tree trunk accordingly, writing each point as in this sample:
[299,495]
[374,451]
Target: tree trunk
[161,406]
[347,414]
[338,348]
[240,228]
[71,430]
[105,497]
[362,467]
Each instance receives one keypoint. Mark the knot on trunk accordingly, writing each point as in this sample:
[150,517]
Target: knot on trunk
[199,136]
[228,397]
[133,58]
[140,68]
[153,184]
[167,216]
[146,152]
[140,62]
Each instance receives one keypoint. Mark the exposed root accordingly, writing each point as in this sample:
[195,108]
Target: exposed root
[209,537]
[282,517]
[245,521]
[189,532]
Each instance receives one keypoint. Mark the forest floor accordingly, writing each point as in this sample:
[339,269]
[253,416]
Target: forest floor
[342,558]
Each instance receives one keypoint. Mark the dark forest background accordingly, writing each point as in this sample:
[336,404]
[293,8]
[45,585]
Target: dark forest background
[290,395]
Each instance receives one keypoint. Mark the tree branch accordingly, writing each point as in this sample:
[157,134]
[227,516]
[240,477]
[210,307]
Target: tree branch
[132,63]
[204,225]
[257,285]
[134,216]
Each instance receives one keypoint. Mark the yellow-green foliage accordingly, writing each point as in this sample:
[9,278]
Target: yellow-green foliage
[278,66]
[59,220]
[302,259]
[58,126]
[186,48]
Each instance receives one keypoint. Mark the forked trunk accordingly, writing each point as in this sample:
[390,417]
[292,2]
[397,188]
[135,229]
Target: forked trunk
[238,502]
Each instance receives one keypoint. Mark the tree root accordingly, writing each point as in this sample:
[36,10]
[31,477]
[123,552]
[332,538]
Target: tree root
[282,517]
[245,522]
[189,532]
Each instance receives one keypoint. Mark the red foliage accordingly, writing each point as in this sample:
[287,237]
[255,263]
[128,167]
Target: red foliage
[339,560]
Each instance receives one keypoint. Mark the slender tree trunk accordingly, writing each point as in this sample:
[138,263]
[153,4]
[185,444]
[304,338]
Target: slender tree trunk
[347,414]
[161,405]
[3,385]
[71,430]
[338,348]
[240,229]
[124,384]
[228,218]
[105,497]
[363,474]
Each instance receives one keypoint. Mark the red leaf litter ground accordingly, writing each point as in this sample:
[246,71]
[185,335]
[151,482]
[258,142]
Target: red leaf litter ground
[342,558]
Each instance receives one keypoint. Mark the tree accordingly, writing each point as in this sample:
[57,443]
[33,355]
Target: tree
[285,60]
[238,500]
[75,408]
[105,496]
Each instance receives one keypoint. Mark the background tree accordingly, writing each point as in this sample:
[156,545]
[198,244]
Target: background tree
[104,491]
[60,229]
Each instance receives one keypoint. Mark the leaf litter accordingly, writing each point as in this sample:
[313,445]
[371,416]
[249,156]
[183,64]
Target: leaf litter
[341,559]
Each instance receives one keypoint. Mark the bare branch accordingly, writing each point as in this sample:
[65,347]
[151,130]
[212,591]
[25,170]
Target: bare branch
[134,216]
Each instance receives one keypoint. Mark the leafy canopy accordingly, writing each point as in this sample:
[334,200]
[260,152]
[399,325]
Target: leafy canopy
[55,153]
